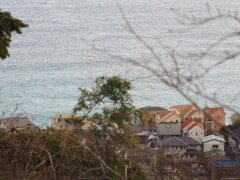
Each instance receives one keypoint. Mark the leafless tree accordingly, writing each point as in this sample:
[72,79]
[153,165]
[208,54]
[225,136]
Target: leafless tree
[174,70]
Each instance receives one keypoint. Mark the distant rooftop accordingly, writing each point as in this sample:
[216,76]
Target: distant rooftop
[137,128]
[150,108]
[16,122]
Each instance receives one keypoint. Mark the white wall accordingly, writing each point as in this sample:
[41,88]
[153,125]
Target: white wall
[196,133]
[185,130]
[208,146]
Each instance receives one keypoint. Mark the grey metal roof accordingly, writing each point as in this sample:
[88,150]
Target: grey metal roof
[212,137]
[139,128]
[169,128]
[189,140]
[16,122]
[173,141]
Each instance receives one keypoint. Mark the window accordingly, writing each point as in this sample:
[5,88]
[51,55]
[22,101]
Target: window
[215,146]
[176,120]
[196,133]
[167,126]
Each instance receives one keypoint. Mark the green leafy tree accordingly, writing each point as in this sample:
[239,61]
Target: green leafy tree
[8,25]
[110,106]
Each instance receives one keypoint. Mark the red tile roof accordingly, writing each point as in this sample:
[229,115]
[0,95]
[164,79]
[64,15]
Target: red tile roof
[189,121]
[213,110]
[195,124]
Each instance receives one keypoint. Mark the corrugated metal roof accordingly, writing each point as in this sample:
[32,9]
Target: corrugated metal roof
[212,137]
[169,128]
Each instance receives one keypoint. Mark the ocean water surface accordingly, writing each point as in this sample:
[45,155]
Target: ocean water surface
[53,57]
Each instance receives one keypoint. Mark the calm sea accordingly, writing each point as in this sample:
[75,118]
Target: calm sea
[53,57]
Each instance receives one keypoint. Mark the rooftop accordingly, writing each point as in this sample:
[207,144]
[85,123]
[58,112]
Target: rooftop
[213,110]
[183,109]
[16,122]
[169,128]
[150,108]
[173,141]
[139,128]
[212,137]
[189,140]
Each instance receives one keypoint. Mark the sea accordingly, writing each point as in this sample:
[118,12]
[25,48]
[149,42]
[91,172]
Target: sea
[56,55]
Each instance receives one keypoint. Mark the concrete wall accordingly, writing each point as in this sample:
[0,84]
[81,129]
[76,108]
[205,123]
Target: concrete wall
[208,146]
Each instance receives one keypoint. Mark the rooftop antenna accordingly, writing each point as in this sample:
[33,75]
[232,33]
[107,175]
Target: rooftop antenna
[205,104]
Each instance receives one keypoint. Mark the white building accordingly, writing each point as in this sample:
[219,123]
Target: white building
[191,128]
[213,144]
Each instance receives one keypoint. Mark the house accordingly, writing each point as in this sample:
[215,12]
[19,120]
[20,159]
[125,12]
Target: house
[142,133]
[194,148]
[63,116]
[173,148]
[60,121]
[215,119]
[193,128]
[213,144]
[185,111]
[150,114]
[168,116]
[181,148]
[199,117]
[169,129]
[19,123]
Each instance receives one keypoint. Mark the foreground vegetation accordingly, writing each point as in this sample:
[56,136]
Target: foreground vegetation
[55,154]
